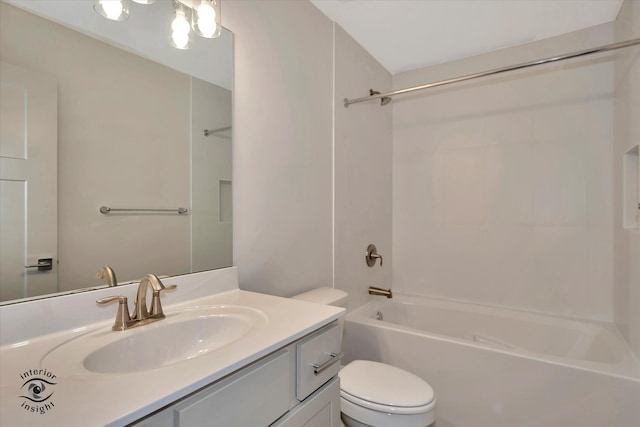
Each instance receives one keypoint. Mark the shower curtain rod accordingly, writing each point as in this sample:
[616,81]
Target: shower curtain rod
[585,52]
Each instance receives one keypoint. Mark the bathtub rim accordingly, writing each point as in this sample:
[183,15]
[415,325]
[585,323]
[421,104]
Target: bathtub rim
[365,314]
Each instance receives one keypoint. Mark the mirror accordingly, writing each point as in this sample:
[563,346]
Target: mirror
[110,115]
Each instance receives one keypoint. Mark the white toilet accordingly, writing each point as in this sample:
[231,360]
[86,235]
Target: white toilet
[376,394]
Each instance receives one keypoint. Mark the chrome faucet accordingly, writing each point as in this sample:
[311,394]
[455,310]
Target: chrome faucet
[141,315]
[107,272]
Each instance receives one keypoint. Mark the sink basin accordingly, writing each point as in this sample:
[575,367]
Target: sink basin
[181,336]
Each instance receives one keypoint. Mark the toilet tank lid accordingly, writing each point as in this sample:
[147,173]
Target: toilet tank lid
[326,296]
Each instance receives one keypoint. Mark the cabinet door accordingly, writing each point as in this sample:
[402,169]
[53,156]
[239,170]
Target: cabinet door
[321,409]
[254,397]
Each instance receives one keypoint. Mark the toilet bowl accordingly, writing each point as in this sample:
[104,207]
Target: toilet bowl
[376,394]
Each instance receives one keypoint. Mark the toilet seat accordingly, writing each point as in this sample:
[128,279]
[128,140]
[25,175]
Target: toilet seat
[400,410]
[367,417]
[381,384]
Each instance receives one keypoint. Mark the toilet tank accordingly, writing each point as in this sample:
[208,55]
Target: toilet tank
[326,296]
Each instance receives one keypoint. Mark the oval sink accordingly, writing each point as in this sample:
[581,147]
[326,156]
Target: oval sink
[170,343]
[179,337]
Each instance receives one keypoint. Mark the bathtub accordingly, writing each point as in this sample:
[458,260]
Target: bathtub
[496,367]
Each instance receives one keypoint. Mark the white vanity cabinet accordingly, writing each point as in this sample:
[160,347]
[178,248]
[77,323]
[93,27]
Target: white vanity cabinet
[281,389]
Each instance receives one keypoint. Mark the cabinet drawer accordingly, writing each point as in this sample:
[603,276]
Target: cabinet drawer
[318,359]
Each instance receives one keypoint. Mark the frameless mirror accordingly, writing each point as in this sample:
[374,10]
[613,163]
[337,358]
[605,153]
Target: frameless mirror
[103,114]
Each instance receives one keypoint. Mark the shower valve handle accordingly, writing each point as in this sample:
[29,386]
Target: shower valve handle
[371,255]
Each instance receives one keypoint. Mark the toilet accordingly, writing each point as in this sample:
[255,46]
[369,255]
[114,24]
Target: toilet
[376,394]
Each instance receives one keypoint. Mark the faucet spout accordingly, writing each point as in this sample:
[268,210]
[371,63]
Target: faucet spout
[107,272]
[141,315]
[141,311]
[381,292]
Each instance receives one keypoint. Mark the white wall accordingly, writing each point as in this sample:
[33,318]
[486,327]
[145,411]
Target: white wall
[282,158]
[502,186]
[362,171]
[627,133]
[284,149]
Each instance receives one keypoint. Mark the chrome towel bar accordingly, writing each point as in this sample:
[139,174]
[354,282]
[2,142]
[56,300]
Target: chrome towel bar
[106,209]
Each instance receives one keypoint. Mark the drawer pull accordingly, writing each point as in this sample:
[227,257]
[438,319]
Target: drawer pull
[318,369]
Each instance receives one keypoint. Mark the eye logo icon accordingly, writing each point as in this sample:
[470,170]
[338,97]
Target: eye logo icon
[36,391]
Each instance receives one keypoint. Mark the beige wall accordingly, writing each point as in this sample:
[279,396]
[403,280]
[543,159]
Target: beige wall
[502,186]
[626,134]
[136,163]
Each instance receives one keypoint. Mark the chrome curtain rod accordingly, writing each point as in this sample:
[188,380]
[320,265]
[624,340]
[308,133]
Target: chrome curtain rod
[585,52]
[106,209]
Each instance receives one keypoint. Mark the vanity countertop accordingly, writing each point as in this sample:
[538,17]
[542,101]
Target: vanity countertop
[85,398]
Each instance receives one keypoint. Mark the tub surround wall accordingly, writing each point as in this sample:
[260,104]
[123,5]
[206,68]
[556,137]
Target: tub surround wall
[502,186]
[626,277]
[362,171]
[550,189]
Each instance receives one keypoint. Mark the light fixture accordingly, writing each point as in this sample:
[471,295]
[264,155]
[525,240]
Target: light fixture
[115,10]
[201,16]
[205,19]
[180,28]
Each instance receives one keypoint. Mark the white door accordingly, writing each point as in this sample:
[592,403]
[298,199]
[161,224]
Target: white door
[28,182]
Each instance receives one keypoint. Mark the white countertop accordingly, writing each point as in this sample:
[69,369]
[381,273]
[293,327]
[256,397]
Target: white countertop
[85,398]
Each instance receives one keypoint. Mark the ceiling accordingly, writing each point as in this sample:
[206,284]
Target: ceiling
[407,34]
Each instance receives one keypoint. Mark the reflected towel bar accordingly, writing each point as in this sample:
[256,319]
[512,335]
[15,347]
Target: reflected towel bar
[106,209]
[208,132]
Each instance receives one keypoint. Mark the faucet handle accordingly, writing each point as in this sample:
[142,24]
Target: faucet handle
[156,305]
[371,255]
[123,319]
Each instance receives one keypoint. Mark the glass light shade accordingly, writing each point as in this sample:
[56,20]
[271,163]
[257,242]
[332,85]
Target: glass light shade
[115,10]
[180,28]
[205,18]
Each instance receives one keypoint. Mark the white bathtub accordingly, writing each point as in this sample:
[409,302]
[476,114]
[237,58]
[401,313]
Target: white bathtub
[499,367]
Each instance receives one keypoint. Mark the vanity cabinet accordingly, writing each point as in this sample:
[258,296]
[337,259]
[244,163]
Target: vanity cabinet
[281,389]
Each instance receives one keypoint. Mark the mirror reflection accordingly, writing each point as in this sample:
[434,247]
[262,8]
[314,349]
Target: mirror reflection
[99,113]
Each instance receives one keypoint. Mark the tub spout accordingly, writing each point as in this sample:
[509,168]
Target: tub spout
[381,292]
